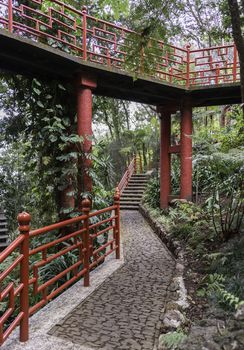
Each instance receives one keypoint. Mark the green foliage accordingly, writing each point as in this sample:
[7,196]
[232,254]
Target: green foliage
[214,287]
[217,170]
[232,137]
[227,211]
[152,193]
[172,340]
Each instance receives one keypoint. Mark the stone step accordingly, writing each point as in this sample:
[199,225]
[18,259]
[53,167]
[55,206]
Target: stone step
[134,192]
[129,194]
[3,230]
[133,179]
[126,204]
[128,207]
[3,244]
[130,199]
[2,236]
[137,177]
[136,188]
[130,202]
[136,200]
[137,183]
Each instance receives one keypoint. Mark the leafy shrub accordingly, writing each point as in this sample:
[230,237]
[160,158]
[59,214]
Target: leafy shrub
[214,287]
[172,340]
[224,170]
[152,193]
[227,209]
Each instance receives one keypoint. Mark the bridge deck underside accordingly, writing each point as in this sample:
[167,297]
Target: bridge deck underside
[30,58]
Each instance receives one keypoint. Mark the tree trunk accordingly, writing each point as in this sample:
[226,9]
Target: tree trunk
[239,40]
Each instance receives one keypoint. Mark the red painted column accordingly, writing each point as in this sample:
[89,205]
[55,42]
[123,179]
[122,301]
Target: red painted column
[186,151]
[165,158]
[84,128]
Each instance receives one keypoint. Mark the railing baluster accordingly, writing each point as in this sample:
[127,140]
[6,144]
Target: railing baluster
[117,222]
[84,25]
[10,16]
[24,229]
[188,57]
[86,207]
[234,63]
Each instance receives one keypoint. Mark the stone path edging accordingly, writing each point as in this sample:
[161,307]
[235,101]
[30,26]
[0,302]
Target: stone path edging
[173,315]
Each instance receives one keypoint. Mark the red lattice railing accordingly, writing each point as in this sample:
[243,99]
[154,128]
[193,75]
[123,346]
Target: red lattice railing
[74,31]
[30,275]
[213,66]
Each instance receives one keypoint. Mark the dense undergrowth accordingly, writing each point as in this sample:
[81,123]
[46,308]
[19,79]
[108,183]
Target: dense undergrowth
[210,230]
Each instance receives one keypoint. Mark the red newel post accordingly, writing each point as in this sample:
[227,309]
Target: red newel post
[217,74]
[186,151]
[235,54]
[10,16]
[188,60]
[117,222]
[24,229]
[86,207]
[84,27]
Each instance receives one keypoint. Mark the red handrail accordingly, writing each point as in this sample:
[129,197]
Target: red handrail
[134,167]
[108,44]
[78,236]
[127,175]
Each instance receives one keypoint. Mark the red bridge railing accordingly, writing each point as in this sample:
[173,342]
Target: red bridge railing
[76,32]
[30,280]
[134,167]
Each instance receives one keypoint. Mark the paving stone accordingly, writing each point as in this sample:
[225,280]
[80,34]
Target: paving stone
[124,312]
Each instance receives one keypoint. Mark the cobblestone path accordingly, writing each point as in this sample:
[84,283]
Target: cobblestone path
[124,312]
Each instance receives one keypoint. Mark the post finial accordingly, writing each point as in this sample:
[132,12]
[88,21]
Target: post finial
[84,9]
[24,222]
[117,195]
[86,205]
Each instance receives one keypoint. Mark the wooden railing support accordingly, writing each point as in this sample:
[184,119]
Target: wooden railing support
[86,207]
[117,222]
[24,229]
[10,16]
[84,26]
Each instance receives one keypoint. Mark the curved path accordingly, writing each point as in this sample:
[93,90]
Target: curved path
[124,312]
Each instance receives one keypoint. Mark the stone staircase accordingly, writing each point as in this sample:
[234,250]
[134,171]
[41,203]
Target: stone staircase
[3,231]
[133,192]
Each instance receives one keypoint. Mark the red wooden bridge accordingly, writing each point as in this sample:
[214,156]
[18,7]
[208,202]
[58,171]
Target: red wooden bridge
[61,42]
[58,41]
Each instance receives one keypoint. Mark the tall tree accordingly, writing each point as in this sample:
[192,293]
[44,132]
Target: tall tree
[237,13]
